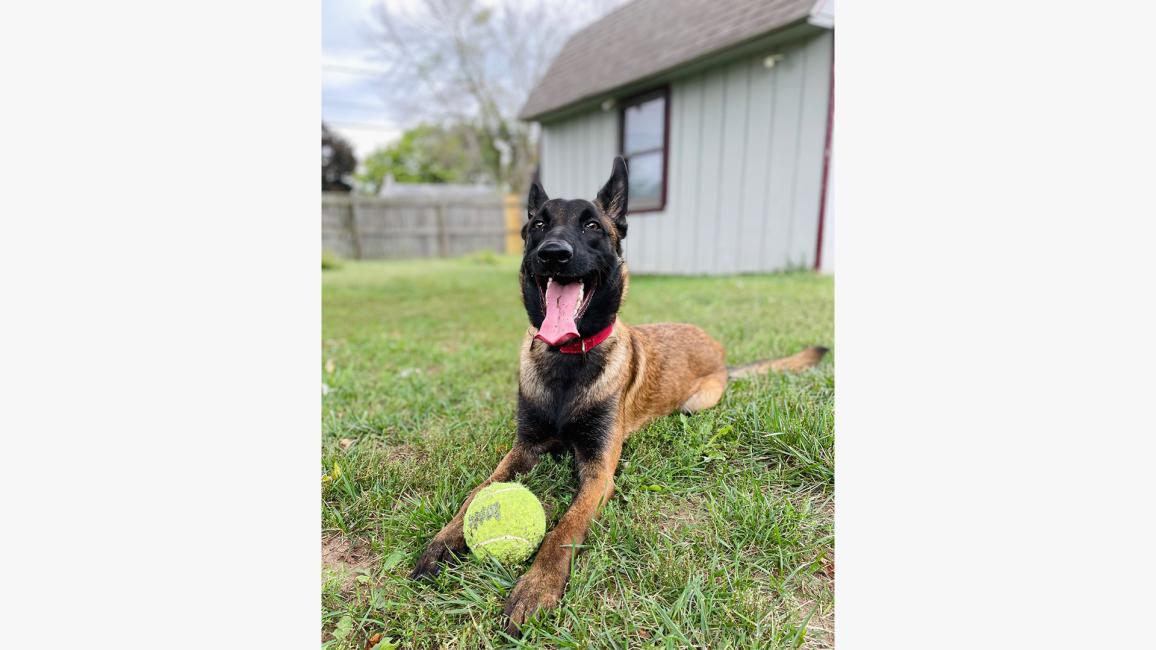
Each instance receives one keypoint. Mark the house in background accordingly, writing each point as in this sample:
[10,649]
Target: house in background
[722,110]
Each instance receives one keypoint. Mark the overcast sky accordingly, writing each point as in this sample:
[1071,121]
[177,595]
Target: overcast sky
[350,100]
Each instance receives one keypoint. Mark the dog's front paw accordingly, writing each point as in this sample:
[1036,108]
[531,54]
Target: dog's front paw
[536,590]
[430,562]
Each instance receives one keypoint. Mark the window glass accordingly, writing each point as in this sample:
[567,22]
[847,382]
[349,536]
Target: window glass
[645,173]
[644,126]
[644,148]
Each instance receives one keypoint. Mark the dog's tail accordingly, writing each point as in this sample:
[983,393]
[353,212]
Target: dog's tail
[807,358]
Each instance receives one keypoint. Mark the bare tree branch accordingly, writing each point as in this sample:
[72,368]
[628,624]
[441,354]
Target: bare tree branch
[474,62]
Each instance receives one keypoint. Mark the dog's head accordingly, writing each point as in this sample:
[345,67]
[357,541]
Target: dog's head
[573,276]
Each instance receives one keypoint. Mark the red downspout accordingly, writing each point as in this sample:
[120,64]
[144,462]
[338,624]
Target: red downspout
[826,159]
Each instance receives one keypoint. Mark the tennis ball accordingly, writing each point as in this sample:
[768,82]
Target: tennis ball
[505,521]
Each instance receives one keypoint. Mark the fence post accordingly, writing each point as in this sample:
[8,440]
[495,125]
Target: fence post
[514,216]
[354,231]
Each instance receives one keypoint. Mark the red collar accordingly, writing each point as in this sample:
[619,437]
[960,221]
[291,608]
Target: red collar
[582,346]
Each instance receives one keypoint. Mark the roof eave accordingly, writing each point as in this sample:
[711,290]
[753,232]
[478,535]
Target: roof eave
[823,14]
[797,29]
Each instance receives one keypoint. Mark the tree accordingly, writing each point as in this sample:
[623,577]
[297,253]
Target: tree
[429,154]
[337,161]
[462,62]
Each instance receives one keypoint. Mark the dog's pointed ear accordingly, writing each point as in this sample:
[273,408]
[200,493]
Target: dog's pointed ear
[612,197]
[535,200]
[534,203]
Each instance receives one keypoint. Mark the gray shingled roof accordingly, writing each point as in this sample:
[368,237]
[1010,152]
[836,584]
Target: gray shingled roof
[646,37]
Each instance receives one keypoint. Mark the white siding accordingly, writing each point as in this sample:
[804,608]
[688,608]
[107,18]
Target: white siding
[577,154]
[745,166]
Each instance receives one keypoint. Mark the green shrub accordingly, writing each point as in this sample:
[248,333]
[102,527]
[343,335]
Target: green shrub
[329,261]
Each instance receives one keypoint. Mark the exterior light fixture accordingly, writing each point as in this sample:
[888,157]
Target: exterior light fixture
[771,60]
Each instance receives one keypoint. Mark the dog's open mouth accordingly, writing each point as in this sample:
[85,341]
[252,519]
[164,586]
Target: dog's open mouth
[565,300]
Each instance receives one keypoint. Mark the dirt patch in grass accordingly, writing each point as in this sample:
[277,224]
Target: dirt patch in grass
[404,453]
[687,514]
[345,559]
[400,454]
[821,631]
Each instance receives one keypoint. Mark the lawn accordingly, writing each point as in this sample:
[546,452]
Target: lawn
[720,533]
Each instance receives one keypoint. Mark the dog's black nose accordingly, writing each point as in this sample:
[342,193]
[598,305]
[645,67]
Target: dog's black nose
[555,251]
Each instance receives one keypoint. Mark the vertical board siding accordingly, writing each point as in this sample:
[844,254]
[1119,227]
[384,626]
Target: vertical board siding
[688,209]
[734,141]
[753,220]
[745,165]
[710,170]
[815,93]
[667,241]
[787,78]
[577,154]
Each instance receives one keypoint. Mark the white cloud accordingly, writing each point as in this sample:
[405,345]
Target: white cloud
[365,140]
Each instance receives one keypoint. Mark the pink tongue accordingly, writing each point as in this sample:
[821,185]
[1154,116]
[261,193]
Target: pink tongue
[561,302]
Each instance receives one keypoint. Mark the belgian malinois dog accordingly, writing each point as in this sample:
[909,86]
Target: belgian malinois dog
[587,380]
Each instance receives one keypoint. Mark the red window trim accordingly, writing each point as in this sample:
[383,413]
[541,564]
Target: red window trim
[634,100]
[826,163]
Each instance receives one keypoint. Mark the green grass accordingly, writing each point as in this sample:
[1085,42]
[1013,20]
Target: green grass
[720,533]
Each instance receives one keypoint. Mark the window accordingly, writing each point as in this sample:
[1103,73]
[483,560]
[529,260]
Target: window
[643,141]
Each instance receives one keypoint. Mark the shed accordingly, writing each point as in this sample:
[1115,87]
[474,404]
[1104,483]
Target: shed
[722,110]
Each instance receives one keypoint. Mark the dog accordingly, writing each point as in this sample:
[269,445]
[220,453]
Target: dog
[586,379]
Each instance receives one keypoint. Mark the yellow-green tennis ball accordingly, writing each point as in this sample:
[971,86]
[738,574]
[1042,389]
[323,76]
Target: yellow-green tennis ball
[505,521]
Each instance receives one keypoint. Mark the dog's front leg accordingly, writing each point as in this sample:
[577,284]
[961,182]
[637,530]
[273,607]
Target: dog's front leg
[542,586]
[451,539]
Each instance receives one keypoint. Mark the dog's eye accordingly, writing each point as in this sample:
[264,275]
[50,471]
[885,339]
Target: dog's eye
[593,225]
[538,224]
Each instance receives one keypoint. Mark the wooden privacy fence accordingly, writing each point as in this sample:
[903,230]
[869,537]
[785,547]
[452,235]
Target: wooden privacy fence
[370,227]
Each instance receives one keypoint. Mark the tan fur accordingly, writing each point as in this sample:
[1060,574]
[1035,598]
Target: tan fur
[707,393]
[535,353]
[794,363]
